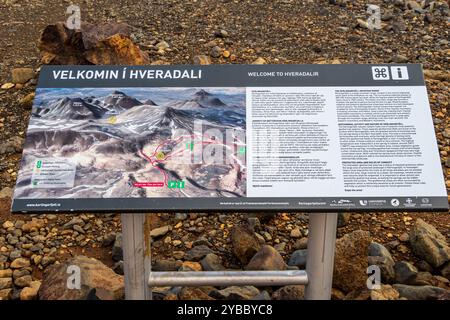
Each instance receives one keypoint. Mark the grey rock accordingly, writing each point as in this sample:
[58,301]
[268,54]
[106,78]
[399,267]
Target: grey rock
[298,258]
[197,253]
[73,222]
[386,268]
[266,259]
[180,216]
[117,252]
[429,244]
[221,33]
[405,272]
[445,271]
[212,262]
[108,239]
[166,265]
[254,224]
[159,232]
[378,250]
[419,292]
[118,267]
[201,241]
[15,254]
[400,58]
[216,52]
[422,265]
[263,295]
[235,293]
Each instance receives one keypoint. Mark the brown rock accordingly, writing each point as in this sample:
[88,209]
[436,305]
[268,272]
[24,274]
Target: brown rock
[5,294]
[6,283]
[245,244]
[350,262]
[439,75]
[202,59]
[358,294]
[292,292]
[33,225]
[259,61]
[267,258]
[27,101]
[22,75]
[24,281]
[191,265]
[386,292]
[94,275]
[117,49]
[106,43]
[429,244]
[31,292]
[337,294]
[193,294]
[20,263]
[7,273]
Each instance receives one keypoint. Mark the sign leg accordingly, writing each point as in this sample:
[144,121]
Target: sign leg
[136,256]
[320,258]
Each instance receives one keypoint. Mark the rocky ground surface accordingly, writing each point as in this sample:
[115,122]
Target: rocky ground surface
[410,248]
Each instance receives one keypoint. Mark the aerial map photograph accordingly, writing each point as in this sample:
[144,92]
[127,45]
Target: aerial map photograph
[136,142]
[205,159]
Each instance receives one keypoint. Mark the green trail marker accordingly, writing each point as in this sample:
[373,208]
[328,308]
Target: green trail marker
[174,184]
[190,146]
[242,150]
[39,164]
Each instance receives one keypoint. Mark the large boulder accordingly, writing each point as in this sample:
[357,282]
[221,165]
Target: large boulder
[267,258]
[245,244]
[94,275]
[103,43]
[350,262]
[429,244]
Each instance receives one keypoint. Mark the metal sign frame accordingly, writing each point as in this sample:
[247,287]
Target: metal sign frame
[318,276]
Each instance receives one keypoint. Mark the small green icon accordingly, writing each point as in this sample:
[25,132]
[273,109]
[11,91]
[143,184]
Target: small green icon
[174,184]
[35,183]
[39,164]
[190,146]
[242,150]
